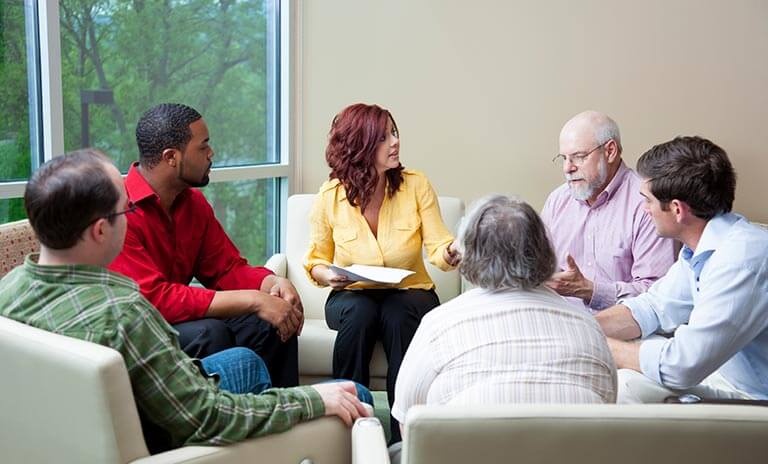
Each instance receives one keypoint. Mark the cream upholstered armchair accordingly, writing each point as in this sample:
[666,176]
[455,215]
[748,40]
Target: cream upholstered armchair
[316,340]
[67,400]
[572,433]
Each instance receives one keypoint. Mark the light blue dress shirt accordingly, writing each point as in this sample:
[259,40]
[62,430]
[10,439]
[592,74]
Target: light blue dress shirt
[715,300]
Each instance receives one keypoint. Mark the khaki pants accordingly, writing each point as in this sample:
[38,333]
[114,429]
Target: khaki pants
[635,388]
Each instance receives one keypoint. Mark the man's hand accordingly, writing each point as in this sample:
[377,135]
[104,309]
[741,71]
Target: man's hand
[340,399]
[283,288]
[571,282]
[451,255]
[282,315]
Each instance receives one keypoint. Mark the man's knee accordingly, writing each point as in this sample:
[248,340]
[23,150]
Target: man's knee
[635,388]
[204,337]
[240,370]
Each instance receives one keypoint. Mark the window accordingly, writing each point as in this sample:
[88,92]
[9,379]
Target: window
[120,57]
[19,127]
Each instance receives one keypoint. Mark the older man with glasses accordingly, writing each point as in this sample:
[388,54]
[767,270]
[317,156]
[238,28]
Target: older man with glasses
[606,244]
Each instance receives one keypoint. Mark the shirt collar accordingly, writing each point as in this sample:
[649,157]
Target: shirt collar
[137,186]
[711,238]
[612,186]
[75,274]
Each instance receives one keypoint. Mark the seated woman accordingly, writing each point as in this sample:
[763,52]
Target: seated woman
[512,340]
[372,211]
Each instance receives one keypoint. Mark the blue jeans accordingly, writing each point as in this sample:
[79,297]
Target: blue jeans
[240,370]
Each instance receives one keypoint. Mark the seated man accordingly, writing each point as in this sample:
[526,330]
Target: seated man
[77,206]
[606,245]
[714,298]
[175,237]
[512,339]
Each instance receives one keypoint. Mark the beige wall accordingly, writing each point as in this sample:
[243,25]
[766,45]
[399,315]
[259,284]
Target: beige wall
[480,89]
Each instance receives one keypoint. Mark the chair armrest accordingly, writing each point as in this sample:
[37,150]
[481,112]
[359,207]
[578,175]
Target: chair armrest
[368,443]
[278,263]
[322,441]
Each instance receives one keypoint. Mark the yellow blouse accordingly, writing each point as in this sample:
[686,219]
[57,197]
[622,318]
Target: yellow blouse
[340,234]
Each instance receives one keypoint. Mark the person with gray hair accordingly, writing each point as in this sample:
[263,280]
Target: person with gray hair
[511,339]
[605,243]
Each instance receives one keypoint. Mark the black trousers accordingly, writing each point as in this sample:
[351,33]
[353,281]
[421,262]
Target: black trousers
[362,317]
[204,337]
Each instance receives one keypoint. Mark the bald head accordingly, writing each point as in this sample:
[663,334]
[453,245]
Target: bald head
[591,128]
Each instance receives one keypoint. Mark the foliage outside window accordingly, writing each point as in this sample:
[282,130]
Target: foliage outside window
[120,57]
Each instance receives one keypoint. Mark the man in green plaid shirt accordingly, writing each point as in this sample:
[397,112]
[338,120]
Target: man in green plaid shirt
[76,204]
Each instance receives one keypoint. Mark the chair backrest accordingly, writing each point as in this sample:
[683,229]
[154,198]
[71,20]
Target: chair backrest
[64,400]
[586,434]
[448,284]
[17,240]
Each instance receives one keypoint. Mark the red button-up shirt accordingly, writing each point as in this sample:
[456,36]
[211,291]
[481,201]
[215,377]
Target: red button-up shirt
[162,254]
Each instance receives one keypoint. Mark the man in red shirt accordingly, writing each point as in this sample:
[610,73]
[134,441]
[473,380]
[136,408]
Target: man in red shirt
[175,237]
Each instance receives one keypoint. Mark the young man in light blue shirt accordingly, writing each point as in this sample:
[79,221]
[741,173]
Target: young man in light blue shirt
[714,299]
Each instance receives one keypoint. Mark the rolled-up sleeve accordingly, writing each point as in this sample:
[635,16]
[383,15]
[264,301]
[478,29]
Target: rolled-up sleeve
[724,321]
[435,234]
[321,244]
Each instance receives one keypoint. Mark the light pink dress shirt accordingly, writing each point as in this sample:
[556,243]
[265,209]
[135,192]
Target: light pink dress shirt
[613,241]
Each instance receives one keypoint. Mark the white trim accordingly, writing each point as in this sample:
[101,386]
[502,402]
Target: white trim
[50,72]
[10,190]
[267,171]
[293,53]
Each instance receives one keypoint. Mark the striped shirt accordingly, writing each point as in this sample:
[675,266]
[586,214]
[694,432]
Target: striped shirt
[93,304]
[521,346]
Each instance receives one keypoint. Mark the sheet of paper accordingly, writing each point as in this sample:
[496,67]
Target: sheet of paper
[384,275]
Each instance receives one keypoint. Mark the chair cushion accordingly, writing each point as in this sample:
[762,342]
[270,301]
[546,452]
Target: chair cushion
[17,240]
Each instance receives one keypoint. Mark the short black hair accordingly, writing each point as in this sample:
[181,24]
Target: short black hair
[67,194]
[693,170]
[164,126]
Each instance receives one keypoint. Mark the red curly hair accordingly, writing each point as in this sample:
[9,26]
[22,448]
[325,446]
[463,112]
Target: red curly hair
[351,152]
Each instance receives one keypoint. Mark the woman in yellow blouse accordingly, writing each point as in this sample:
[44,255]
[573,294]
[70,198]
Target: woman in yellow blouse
[373,211]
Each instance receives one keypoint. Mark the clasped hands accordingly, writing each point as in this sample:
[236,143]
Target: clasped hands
[571,282]
[288,314]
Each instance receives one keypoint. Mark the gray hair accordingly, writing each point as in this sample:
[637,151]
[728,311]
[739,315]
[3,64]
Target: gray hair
[607,129]
[504,245]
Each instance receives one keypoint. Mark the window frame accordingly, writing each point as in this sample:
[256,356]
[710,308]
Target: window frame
[279,59]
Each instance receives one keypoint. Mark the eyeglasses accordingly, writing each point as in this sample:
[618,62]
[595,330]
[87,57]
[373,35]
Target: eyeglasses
[131,208]
[578,158]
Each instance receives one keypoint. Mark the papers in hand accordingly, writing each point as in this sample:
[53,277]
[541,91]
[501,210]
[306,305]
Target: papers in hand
[384,275]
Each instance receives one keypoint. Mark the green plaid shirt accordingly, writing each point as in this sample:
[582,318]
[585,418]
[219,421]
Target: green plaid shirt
[93,304]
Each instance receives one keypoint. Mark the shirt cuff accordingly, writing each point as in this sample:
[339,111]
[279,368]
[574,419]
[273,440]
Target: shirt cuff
[311,400]
[603,295]
[644,315]
[650,358]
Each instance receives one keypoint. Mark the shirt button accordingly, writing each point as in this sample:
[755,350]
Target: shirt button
[589,263]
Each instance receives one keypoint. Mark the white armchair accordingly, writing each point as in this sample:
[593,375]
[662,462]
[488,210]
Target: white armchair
[67,400]
[316,341]
[573,433]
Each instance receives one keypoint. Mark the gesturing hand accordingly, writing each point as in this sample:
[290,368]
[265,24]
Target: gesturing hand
[451,255]
[571,282]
